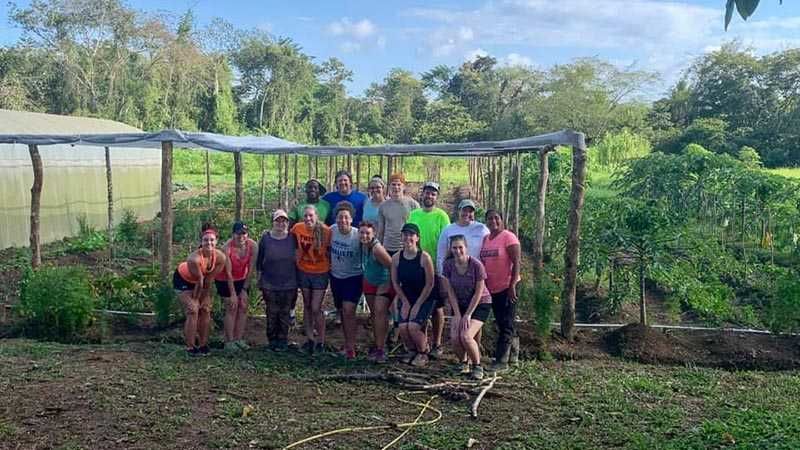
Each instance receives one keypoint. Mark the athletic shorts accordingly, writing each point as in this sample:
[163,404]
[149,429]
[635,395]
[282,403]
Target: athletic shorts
[423,314]
[224,292]
[371,289]
[346,290]
[314,281]
[481,313]
[179,284]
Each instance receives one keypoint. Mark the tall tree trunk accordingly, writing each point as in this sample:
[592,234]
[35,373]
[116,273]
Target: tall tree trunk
[110,192]
[238,186]
[517,186]
[572,251]
[541,198]
[208,180]
[642,300]
[165,243]
[36,204]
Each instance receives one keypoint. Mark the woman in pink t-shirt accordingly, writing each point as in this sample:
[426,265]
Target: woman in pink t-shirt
[500,255]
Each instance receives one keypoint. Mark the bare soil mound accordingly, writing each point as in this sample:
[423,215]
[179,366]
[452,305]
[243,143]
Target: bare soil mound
[725,350]
[646,345]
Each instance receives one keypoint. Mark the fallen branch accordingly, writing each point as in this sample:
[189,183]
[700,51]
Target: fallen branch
[480,397]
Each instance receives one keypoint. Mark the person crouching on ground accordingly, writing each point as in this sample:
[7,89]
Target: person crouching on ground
[313,263]
[240,251]
[412,278]
[377,287]
[278,279]
[470,302]
[192,283]
[500,255]
[346,273]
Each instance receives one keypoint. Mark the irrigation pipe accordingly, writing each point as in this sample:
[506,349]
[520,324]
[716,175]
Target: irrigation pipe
[552,324]
[409,425]
[678,327]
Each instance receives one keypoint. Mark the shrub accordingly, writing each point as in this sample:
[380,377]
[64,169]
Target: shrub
[56,302]
[783,311]
[164,304]
[545,295]
[128,228]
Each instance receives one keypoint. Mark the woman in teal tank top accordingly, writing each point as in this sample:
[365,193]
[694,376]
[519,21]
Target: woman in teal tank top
[376,286]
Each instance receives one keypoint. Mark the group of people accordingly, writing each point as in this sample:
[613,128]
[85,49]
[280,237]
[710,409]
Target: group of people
[406,260]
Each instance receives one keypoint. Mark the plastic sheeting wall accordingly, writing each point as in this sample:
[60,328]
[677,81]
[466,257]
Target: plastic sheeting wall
[74,185]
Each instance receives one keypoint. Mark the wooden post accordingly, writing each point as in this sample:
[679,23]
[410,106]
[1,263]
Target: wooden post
[331,163]
[517,179]
[541,198]
[369,168]
[380,165]
[165,244]
[110,191]
[642,298]
[316,167]
[238,186]
[263,181]
[36,204]
[358,172]
[286,181]
[308,164]
[294,184]
[208,179]
[572,251]
[389,166]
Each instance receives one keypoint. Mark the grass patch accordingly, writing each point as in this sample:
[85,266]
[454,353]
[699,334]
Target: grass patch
[151,393]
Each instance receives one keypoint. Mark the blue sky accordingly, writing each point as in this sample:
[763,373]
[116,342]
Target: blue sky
[371,37]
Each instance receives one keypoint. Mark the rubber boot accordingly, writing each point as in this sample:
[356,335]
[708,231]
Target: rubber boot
[513,357]
[500,363]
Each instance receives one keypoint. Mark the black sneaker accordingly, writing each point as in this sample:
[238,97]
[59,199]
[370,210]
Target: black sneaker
[194,351]
[319,347]
[204,350]
[308,347]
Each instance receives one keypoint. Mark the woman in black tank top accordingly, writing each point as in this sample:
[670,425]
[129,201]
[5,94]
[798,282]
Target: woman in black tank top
[412,277]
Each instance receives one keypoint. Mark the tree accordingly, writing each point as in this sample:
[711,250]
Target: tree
[403,103]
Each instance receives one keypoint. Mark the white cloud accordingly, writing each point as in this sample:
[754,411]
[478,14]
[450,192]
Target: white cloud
[472,55]
[359,30]
[665,36]
[516,60]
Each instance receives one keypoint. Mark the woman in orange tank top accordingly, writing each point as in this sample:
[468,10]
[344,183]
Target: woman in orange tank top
[192,283]
[242,254]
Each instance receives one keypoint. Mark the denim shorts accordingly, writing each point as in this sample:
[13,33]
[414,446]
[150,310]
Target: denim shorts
[315,281]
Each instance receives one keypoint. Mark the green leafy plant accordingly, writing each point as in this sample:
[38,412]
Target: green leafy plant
[56,302]
[128,228]
[783,311]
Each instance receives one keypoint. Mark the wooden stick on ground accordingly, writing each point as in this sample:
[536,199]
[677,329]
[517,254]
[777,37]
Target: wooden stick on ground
[480,397]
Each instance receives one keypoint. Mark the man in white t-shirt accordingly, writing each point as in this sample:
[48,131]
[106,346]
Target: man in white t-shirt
[467,226]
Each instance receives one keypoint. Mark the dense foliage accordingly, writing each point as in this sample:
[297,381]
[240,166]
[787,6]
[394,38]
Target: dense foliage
[56,302]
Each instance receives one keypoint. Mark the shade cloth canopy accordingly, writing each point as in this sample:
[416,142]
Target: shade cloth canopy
[272,145]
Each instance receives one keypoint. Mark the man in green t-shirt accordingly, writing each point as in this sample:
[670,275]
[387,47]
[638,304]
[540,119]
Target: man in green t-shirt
[314,192]
[431,221]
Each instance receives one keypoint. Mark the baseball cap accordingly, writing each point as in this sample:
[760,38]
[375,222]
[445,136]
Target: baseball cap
[410,228]
[239,228]
[467,202]
[431,185]
[279,213]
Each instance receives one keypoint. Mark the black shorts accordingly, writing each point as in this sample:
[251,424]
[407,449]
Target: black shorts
[179,284]
[423,314]
[346,290]
[439,297]
[224,292]
[481,311]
